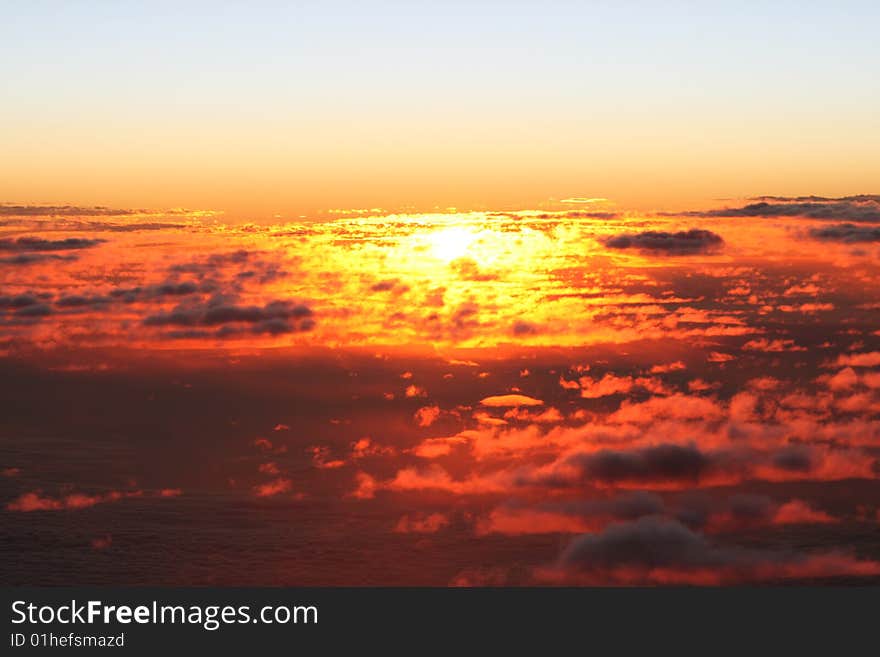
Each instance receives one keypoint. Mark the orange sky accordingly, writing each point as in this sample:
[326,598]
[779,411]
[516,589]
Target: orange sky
[293,110]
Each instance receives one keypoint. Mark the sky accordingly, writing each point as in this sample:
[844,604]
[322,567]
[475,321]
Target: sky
[292,109]
[459,294]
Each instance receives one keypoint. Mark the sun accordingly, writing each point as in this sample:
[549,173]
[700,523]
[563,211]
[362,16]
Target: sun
[447,244]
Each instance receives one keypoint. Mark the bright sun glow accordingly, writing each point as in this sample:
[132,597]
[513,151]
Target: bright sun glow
[450,243]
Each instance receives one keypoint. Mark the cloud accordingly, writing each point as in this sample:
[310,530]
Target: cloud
[668,367]
[321,458]
[19,301]
[436,478]
[235,267]
[521,328]
[60,211]
[798,512]
[583,200]
[613,385]
[661,463]
[427,415]
[467,269]
[390,285]
[654,550]
[35,258]
[763,344]
[843,380]
[275,317]
[40,244]
[272,488]
[707,513]
[36,501]
[413,391]
[504,401]
[846,233]
[861,209]
[158,292]
[676,406]
[421,524]
[27,305]
[569,517]
[81,301]
[794,459]
[869,359]
[687,242]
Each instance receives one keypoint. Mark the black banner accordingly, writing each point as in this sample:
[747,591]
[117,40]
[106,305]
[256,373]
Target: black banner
[414,620]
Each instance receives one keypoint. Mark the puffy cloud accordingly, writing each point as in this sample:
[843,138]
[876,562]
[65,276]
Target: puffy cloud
[321,458]
[710,514]
[366,487]
[844,379]
[35,258]
[668,367]
[684,242]
[660,463]
[799,512]
[763,344]
[521,328]
[427,415]
[415,391]
[40,244]
[655,550]
[870,359]
[36,501]
[846,233]
[855,208]
[436,478]
[272,488]
[569,517]
[676,406]
[613,385]
[421,524]
[274,318]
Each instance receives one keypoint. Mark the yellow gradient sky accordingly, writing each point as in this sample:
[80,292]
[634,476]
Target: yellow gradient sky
[263,110]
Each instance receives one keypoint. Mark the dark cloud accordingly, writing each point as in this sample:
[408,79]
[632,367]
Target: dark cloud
[847,233]
[685,242]
[33,258]
[649,542]
[467,269]
[748,507]
[60,211]
[627,506]
[39,244]
[175,289]
[857,198]
[238,265]
[793,459]
[659,463]
[160,291]
[571,214]
[660,550]
[524,328]
[695,510]
[36,310]
[862,209]
[104,226]
[81,301]
[274,318]
[390,285]
[19,301]
[654,550]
